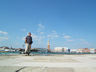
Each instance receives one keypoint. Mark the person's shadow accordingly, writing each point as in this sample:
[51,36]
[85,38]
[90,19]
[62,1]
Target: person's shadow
[20,69]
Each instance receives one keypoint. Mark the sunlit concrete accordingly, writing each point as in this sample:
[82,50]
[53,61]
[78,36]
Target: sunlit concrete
[54,63]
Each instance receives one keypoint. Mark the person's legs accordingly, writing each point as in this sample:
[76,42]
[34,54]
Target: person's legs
[29,48]
[26,49]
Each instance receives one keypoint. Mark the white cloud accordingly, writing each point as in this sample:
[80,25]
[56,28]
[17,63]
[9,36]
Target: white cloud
[67,37]
[53,35]
[24,30]
[23,38]
[41,32]
[39,40]
[83,41]
[2,32]
[35,37]
[3,38]
[41,26]
[70,40]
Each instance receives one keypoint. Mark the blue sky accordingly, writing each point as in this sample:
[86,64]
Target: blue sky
[67,23]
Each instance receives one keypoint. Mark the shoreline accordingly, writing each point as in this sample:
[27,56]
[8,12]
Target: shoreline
[41,54]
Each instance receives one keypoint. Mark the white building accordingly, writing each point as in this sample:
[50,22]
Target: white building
[1,49]
[7,50]
[4,48]
[80,50]
[73,50]
[60,49]
[92,50]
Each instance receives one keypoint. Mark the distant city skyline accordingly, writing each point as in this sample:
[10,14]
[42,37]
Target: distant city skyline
[66,23]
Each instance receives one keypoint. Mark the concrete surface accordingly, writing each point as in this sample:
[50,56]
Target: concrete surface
[55,63]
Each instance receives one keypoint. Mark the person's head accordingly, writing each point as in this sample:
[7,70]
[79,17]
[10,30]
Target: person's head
[29,34]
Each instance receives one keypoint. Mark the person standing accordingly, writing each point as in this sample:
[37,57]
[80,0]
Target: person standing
[28,43]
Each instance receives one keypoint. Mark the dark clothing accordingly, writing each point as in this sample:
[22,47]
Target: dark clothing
[29,39]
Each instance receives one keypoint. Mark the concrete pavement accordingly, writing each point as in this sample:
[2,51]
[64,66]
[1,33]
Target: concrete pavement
[55,63]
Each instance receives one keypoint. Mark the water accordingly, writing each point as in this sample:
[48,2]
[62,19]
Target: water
[9,53]
[39,53]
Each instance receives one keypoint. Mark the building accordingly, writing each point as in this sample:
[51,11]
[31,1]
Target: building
[86,50]
[92,50]
[73,50]
[7,49]
[95,50]
[49,46]
[80,50]
[60,49]
[4,48]
[1,49]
